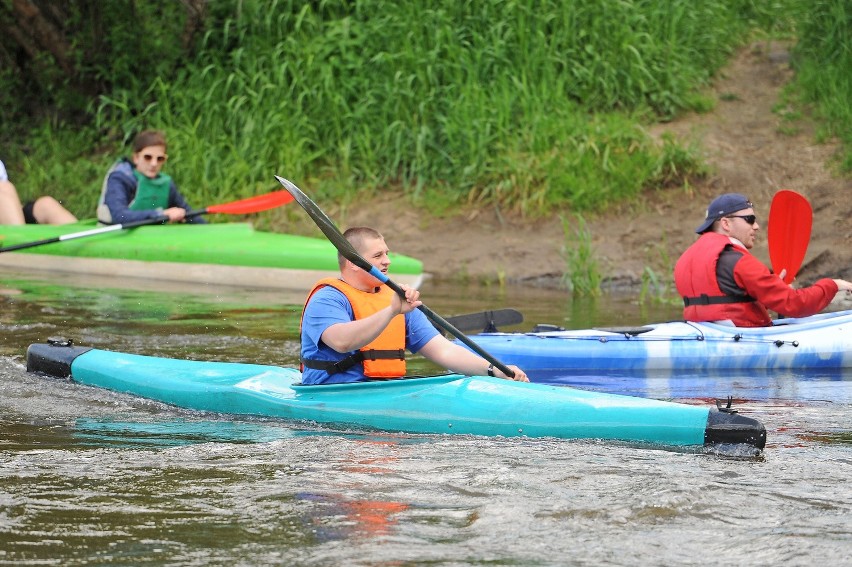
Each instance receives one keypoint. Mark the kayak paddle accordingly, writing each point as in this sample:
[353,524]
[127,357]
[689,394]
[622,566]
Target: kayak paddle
[346,250]
[241,207]
[788,232]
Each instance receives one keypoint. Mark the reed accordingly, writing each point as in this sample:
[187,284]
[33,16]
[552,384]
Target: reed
[657,288]
[582,275]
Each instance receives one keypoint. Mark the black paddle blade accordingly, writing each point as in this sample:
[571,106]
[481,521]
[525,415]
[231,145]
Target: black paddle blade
[486,321]
[325,224]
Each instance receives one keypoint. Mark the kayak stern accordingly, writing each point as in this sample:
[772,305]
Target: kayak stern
[731,428]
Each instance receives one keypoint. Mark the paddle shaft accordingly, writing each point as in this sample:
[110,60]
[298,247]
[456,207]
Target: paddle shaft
[348,251]
[241,207]
[439,321]
[92,232]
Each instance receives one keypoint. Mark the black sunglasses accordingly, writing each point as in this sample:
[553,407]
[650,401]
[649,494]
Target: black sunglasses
[750,219]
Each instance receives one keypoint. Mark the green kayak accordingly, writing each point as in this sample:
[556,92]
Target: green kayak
[217,254]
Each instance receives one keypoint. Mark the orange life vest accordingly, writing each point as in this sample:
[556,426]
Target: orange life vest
[384,357]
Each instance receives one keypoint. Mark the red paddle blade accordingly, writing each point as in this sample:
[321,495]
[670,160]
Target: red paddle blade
[253,204]
[789,232]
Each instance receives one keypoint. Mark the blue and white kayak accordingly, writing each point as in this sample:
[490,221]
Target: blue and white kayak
[448,404]
[821,341]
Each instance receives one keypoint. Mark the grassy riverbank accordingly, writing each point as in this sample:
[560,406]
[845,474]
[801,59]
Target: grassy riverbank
[535,106]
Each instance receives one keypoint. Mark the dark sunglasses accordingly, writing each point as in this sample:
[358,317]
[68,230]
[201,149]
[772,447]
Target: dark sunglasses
[750,219]
[149,157]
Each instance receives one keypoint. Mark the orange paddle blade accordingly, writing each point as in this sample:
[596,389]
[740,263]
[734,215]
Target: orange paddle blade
[789,232]
[253,204]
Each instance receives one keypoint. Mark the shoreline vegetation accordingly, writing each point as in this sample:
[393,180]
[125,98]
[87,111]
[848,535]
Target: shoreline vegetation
[539,108]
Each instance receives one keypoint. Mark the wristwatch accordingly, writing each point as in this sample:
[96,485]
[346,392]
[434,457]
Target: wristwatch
[491,370]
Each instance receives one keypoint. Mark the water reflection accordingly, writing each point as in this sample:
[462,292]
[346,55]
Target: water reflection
[336,517]
[174,432]
[355,514]
[262,327]
[816,385]
[247,326]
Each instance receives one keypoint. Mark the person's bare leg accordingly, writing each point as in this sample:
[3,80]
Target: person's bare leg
[48,210]
[11,210]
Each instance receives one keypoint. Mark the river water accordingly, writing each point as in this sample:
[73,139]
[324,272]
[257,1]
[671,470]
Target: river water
[91,477]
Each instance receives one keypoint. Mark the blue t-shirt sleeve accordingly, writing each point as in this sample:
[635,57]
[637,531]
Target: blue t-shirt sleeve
[418,330]
[327,307]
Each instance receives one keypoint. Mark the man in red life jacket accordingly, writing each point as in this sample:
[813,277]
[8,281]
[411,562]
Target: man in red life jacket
[719,279]
[354,328]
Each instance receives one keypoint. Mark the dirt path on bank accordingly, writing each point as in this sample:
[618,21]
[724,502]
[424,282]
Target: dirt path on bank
[743,146]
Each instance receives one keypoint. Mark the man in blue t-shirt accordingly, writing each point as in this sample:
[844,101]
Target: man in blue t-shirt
[354,328]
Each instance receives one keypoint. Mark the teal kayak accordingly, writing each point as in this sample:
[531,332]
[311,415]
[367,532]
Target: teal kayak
[447,404]
[218,254]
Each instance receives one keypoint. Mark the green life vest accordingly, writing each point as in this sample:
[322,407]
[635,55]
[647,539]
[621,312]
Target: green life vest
[151,193]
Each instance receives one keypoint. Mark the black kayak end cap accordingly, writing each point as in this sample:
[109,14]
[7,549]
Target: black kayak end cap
[54,358]
[732,428]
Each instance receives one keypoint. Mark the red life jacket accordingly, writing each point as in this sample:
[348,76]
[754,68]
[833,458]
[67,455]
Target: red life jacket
[384,357]
[703,299]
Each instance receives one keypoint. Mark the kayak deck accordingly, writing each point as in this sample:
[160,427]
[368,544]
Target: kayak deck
[216,253]
[819,342]
[450,404]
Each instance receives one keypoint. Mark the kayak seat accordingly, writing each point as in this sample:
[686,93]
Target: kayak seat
[632,331]
[546,328]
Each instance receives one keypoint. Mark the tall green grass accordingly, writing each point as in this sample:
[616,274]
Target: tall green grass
[823,62]
[532,105]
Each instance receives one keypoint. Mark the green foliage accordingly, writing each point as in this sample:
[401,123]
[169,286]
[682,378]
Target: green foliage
[112,45]
[59,165]
[485,102]
[823,59]
[531,105]
[589,161]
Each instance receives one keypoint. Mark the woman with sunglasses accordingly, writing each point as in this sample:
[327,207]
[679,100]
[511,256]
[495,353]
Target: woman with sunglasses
[720,280]
[136,189]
